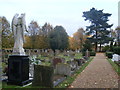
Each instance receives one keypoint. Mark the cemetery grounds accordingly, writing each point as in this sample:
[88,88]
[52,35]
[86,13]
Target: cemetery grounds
[45,59]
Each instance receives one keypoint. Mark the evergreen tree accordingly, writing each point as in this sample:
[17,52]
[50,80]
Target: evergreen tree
[58,38]
[98,28]
[87,46]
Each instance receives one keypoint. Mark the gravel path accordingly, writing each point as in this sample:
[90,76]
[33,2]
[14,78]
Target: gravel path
[98,74]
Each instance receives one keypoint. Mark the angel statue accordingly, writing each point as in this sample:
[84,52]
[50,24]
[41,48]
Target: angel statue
[18,28]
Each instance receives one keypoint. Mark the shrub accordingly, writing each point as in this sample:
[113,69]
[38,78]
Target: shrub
[83,53]
[92,53]
[109,54]
[116,50]
[106,48]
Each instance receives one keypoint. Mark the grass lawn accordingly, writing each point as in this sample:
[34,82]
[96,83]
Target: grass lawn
[78,56]
[4,85]
[115,66]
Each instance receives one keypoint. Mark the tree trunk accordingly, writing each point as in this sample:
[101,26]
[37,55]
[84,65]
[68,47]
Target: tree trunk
[96,46]
[96,42]
[100,47]
[54,52]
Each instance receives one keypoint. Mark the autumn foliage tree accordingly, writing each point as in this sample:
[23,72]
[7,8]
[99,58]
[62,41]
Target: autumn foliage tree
[72,43]
[33,30]
[7,35]
[37,37]
[77,41]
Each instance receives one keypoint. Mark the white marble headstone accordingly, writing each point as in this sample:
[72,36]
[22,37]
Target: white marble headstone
[116,57]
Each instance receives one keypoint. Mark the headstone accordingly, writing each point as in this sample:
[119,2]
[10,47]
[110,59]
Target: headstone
[46,51]
[44,54]
[63,60]
[87,54]
[43,76]
[79,61]
[74,65]
[116,57]
[57,52]
[55,61]
[31,70]
[63,69]
[68,51]
[51,53]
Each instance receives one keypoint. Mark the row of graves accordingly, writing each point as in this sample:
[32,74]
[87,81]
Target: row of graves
[5,53]
[57,69]
[47,70]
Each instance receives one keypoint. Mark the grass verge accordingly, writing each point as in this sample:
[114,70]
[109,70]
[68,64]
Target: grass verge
[66,83]
[115,66]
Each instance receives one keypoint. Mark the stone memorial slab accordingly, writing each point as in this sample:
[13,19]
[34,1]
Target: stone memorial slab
[79,61]
[116,57]
[63,69]
[55,61]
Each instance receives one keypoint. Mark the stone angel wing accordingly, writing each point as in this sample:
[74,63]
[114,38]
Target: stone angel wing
[14,25]
[23,25]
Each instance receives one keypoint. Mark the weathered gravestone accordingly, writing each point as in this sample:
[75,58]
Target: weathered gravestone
[44,54]
[79,61]
[71,54]
[31,70]
[57,52]
[116,57]
[73,65]
[87,54]
[63,69]
[55,61]
[43,76]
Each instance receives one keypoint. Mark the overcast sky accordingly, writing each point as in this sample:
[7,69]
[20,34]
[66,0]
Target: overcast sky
[67,13]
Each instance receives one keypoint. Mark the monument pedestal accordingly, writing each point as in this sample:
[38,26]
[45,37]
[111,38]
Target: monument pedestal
[18,69]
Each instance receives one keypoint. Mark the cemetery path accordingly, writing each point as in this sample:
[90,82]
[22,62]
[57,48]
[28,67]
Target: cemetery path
[98,74]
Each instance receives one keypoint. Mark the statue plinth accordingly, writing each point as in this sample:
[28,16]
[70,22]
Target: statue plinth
[18,69]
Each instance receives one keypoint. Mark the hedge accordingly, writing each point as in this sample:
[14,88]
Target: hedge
[116,50]
[109,54]
[92,53]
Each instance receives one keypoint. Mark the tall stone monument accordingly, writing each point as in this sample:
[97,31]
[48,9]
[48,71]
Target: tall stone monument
[18,62]
[18,28]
